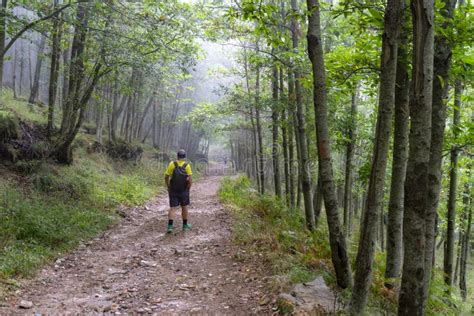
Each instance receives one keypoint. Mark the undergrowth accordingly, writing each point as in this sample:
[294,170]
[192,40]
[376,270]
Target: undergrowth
[47,209]
[58,207]
[266,228]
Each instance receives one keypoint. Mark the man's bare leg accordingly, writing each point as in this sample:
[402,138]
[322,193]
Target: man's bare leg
[172,213]
[171,216]
[184,213]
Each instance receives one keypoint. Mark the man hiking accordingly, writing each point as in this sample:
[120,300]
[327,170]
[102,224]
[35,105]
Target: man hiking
[178,178]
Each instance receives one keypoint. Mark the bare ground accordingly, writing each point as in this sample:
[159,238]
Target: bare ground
[136,268]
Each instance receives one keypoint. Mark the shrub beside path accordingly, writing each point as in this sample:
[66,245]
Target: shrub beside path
[136,268]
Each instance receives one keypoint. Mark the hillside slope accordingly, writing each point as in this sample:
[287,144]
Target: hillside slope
[47,209]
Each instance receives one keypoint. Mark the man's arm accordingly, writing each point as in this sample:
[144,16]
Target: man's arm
[167,181]
[190,182]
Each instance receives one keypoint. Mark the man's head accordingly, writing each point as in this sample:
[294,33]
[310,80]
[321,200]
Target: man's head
[181,154]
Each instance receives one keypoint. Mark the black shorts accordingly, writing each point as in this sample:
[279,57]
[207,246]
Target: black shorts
[179,198]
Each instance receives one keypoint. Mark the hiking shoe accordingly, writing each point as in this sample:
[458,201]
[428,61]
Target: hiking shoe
[187,227]
[170,229]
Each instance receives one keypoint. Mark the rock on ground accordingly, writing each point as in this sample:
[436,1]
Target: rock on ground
[313,298]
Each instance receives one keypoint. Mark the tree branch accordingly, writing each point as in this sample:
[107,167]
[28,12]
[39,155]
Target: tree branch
[31,25]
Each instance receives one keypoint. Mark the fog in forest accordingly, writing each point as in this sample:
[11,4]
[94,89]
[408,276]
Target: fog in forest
[327,164]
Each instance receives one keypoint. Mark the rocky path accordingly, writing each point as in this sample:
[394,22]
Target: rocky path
[136,268]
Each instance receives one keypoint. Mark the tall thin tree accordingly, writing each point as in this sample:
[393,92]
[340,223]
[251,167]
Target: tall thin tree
[399,165]
[306,187]
[337,240]
[388,66]
[39,63]
[452,195]
[54,72]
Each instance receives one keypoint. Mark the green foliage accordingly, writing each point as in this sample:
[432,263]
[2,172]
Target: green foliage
[9,127]
[442,303]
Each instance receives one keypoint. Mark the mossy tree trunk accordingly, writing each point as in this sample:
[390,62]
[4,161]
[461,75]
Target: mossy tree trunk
[442,66]
[412,300]
[54,72]
[75,106]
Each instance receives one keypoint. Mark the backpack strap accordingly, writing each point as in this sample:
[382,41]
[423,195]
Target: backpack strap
[184,166]
[175,164]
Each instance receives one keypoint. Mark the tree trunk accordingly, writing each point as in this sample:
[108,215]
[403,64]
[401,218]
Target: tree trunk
[99,116]
[337,240]
[458,256]
[453,181]
[261,158]
[160,125]
[291,141]
[155,134]
[388,66]
[467,200]
[255,150]
[284,132]
[15,61]
[66,61]
[22,64]
[349,163]
[412,299]
[306,187]
[382,230]
[275,133]
[252,120]
[399,165]
[318,201]
[285,148]
[295,130]
[442,65]
[144,115]
[3,31]
[76,102]
[54,73]
[39,62]
[128,118]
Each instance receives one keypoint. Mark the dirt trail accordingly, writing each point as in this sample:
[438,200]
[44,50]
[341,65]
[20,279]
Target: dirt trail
[136,268]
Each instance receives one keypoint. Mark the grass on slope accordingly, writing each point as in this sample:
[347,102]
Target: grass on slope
[54,208]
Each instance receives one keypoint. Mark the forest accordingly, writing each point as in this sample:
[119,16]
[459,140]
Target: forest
[332,139]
